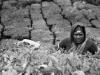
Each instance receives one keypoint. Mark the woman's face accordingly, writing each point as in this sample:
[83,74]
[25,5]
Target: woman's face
[78,36]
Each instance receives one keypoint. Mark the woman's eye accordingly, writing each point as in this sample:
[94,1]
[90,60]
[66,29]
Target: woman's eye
[80,34]
[76,34]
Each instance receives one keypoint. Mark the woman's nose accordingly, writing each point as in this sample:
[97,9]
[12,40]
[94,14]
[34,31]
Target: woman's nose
[78,36]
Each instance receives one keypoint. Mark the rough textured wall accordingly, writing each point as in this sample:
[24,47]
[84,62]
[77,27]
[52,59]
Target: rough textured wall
[48,21]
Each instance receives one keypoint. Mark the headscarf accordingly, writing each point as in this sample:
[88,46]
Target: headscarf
[74,28]
[81,46]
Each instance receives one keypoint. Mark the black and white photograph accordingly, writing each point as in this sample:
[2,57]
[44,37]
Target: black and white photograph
[49,37]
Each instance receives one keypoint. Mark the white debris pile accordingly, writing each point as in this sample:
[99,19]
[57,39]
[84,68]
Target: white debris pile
[29,43]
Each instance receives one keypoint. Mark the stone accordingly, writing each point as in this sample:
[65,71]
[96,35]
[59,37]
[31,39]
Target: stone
[54,19]
[89,15]
[50,8]
[70,14]
[35,6]
[96,23]
[84,21]
[35,12]
[63,2]
[29,0]
[12,14]
[93,33]
[6,4]
[23,12]
[61,34]
[39,24]
[62,25]
[74,16]
[1,29]
[5,14]
[18,22]
[42,36]
[17,32]
[36,15]
[80,18]
[9,4]
[61,30]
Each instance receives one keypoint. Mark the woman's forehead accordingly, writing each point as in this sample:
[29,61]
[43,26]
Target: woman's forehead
[78,32]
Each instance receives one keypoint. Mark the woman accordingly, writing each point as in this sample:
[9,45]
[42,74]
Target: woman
[78,42]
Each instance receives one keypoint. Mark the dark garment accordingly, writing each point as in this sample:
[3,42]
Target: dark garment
[89,46]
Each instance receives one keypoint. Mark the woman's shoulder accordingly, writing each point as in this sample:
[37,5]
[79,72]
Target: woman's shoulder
[65,43]
[91,44]
[65,40]
[90,41]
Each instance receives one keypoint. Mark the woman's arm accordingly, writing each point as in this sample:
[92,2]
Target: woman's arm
[92,48]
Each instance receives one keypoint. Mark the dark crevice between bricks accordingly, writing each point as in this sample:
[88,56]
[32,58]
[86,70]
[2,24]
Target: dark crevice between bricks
[45,19]
[31,22]
[2,30]
[72,2]
[90,21]
[28,4]
[47,0]
[63,16]
[3,26]
[49,26]
[54,38]
[67,19]
[19,37]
